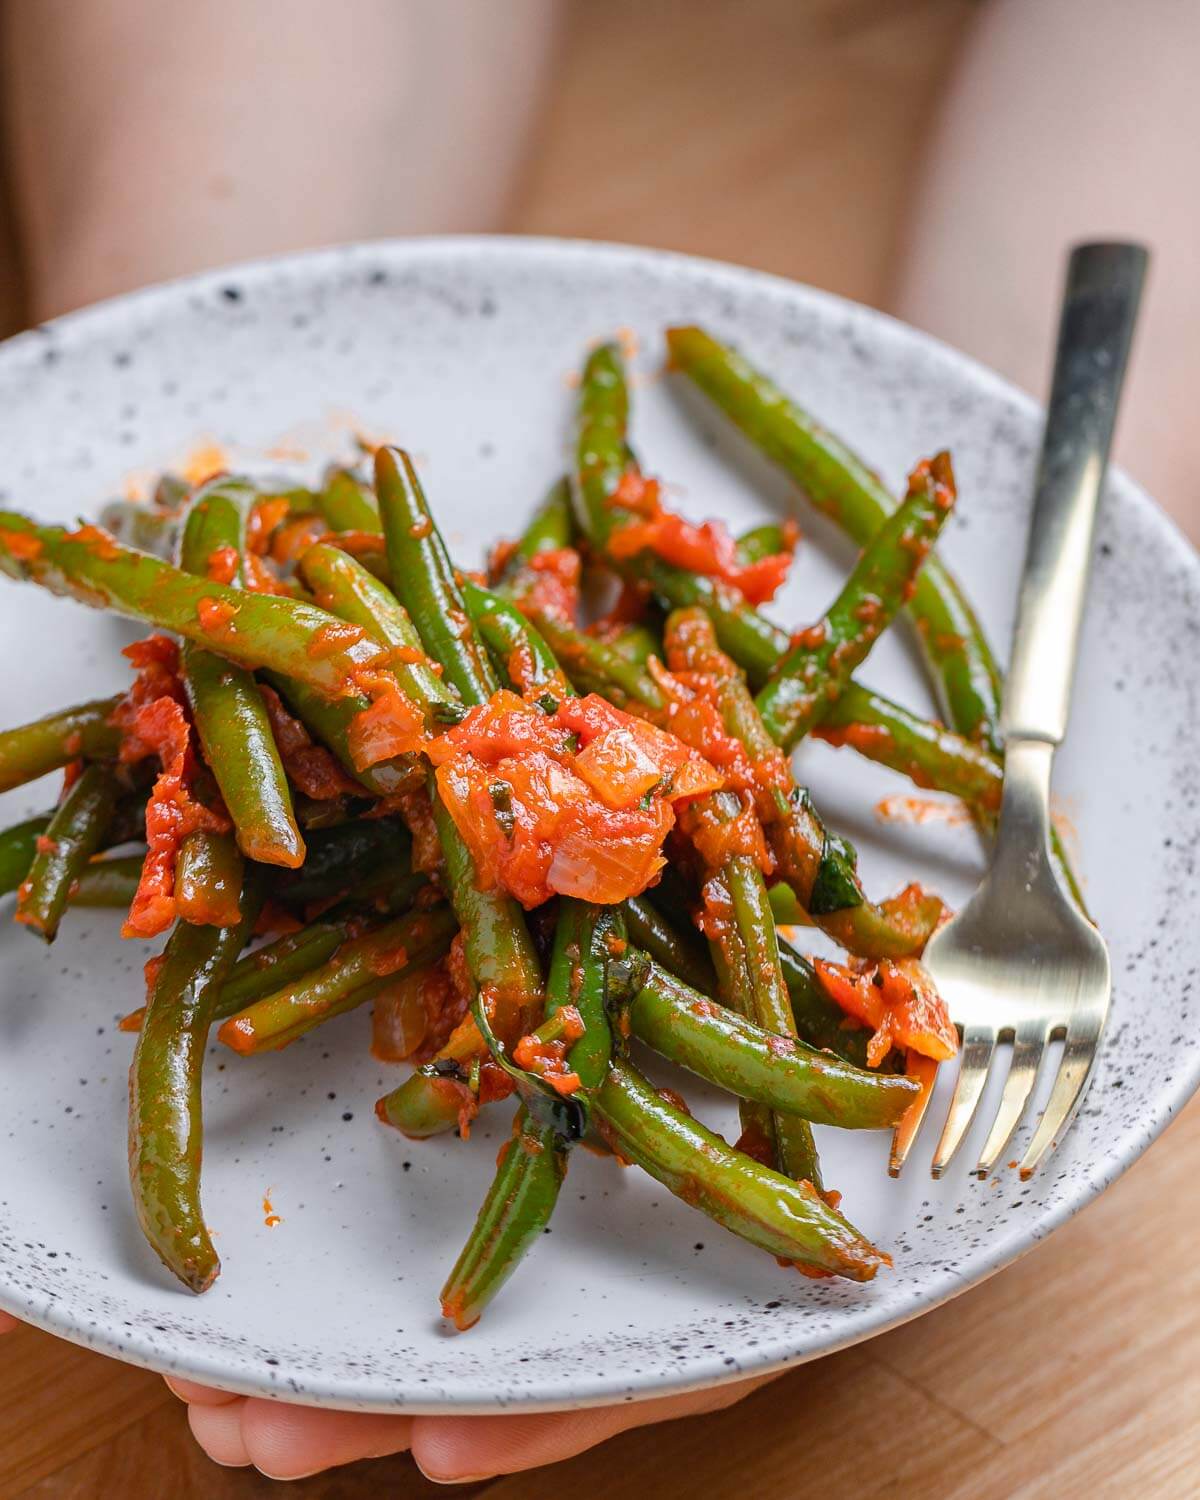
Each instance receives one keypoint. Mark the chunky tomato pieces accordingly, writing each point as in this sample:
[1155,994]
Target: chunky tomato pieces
[708,549]
[548,583]
[573,803]
[153,721]
[898,1000]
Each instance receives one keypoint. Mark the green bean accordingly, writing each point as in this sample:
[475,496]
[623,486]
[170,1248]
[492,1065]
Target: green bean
[744,953]
[679,952]
[599,453]
[636,643]
[928,754]
[208,879]
[424,578]
[820,868]
[228,710]
[108,882]
[549,531]
[499,950]
[762,541]
[330,721]
[517,650]
[757,646]
[750,638]
[596,666]
[754,1063]
[343,586]
[357,970]
[156,527]
[347,503]
[73,835]
[579,977]
[18,846]
[788,1219]
[165,1121]
[519,1202]
[171,493]
[295,954]
[819,1021]
[343,857]
[279,963]
[841,486]
[146,527]
[47,744]
[254,630]
[896,928]
[522,1196]
[820,662]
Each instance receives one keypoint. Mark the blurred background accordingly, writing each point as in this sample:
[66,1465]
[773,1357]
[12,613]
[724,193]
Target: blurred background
[778,133]
[931,157]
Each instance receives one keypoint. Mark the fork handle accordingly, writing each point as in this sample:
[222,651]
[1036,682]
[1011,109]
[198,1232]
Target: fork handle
[1100,303]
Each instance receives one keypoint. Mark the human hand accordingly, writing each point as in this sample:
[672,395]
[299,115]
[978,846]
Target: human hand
[291,1442]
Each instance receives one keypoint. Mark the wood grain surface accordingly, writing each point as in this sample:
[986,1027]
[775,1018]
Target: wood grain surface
[783,135]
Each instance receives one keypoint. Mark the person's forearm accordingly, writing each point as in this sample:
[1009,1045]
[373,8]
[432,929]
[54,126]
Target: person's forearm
[1068,121]
[151,140]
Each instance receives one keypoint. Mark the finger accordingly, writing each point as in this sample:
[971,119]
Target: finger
[290,1442]
[7,1322]
[198,1395]
[218,1430]
[451,1449]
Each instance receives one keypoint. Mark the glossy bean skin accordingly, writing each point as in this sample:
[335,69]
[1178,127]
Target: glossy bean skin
[75,832]
[227,708]
[787,1219]
[165,1118]
[775,1070]
[49,743]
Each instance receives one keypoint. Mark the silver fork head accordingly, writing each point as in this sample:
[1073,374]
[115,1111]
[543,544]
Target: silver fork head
[1020,964]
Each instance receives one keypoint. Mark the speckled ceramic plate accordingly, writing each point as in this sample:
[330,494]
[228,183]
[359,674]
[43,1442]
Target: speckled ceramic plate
[465,350]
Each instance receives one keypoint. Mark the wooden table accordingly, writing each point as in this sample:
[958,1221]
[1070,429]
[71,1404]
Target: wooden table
[781,134]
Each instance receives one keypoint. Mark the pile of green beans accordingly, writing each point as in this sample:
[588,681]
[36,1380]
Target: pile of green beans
[341,877]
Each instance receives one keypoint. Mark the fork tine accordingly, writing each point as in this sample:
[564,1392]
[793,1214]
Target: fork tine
[1074,1070]
[979,1043]
[1028,1046]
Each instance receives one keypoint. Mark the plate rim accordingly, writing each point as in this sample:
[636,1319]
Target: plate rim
[1091,1177]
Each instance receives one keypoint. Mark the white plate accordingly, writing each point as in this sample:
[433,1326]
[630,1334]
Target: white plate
[465,350]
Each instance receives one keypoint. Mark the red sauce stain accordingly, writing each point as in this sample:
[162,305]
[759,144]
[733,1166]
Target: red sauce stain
[204,463]
[270,1217]
[223,564]
[921,810]
[334,637]
[216,615]
[22,546]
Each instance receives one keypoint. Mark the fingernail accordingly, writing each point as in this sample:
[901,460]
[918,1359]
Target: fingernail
[458,1478]
[286,1478]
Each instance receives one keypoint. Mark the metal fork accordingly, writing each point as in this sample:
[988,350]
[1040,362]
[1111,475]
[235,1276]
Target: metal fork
[1021,963]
